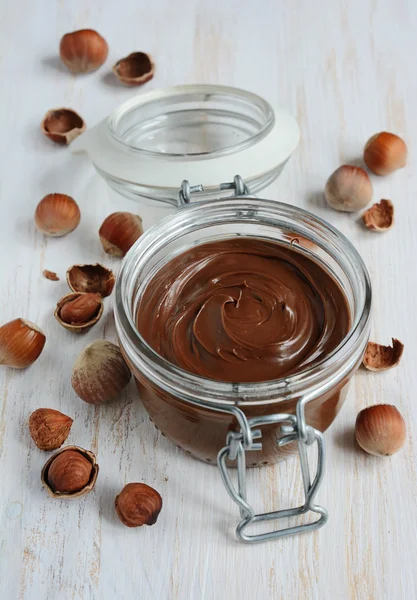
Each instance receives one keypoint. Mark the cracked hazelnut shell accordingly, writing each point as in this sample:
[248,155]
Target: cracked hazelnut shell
[380,217]
[83,51]
[138,504]
[135,69]
[119,231]
[21,343]
[78,312]
[70,473]
[100,373]
[57,215]
[91,279]
[380,358]
[62,125]
[380,430]
[51,275]
[49,428]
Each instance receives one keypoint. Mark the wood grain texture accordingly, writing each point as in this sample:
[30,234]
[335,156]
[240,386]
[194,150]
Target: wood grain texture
[346,69]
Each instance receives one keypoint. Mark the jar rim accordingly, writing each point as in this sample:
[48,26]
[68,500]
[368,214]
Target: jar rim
[203,391]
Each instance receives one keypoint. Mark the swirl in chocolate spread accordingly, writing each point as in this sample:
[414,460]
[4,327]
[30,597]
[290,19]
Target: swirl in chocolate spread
[243,310]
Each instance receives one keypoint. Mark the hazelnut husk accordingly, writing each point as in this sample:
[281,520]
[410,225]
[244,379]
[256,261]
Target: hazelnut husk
[385,153]
[57,215]
[135,69]
[91,279]
[49,428]
[21,343]
[100,373]
[138,504]
[119,231]
[83,51]
[62,125]
[348,189]
[70,473]
[380,358]
[380,430]
[78,312]
[380,217]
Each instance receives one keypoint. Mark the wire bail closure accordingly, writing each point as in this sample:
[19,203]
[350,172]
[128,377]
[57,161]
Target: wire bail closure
[184,196]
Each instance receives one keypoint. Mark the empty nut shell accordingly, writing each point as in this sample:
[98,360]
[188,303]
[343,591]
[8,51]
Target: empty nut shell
[380,217]
[79,312]
[138,504]
[135,69]
[70,473]
[100,373]
[91,279]
[49,428]
[381,358]
[83,51]
[57,215]
[21,343]
[62,125]
[119,231]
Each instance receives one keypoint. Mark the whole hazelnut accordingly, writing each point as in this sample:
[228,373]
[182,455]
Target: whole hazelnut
[49,428]
[138,504]
[119,231]
[69,473]
[21,343]
[380,430]
[57,215]
[348,189]
[385,153]
[100,373]
[83,51]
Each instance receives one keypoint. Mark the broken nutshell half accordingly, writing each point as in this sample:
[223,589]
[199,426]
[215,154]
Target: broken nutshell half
[380,217]
[70,473]
[62,125]
[381,358]
[91,279]
[135,69]
[79,312]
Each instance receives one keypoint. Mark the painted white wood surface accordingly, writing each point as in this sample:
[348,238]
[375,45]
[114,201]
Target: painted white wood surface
[346,69]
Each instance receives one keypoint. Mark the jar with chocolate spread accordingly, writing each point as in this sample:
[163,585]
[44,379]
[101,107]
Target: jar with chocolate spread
[242,319]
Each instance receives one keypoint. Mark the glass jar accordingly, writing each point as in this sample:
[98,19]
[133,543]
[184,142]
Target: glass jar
[199,414]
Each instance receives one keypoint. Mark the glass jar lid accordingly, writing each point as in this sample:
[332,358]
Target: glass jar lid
[202,133]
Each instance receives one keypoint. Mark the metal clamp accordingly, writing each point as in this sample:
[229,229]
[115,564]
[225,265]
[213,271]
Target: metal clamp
[184,196]
[293,428]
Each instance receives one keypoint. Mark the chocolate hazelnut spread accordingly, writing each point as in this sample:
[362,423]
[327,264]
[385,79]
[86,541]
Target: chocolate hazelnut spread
[243,310]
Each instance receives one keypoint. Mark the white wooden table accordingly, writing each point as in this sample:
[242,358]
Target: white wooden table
[346,69]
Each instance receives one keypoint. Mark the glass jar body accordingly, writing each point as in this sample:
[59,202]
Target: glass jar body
[193,411]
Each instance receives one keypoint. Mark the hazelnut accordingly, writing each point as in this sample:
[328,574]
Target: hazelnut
[135,69]
[385,153]
[91,278]
[380,217]
[119,232]
[49,428]
[138,504]
[50,275]
[21,343]
[348,189]
[57,215]
[83,51]
[79,312]
[100,373]
[69,473]
[380,430]
[62,125]
[381,358]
